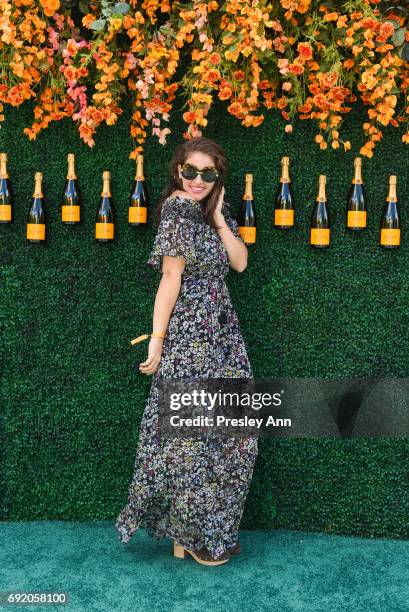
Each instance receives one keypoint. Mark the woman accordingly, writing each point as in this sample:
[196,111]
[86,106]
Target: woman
[193,490]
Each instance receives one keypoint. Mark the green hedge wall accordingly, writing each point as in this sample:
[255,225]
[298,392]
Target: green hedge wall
[72,397]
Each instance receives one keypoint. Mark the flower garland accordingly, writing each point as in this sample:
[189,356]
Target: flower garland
[307,59]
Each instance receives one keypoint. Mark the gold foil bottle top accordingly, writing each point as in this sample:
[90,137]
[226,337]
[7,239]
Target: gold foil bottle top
[392,188]
[322,181]
[139,168]
[285,167]
[3,165]
[248,193]
[38,178]
[106,177]
[358,171]
[71,166]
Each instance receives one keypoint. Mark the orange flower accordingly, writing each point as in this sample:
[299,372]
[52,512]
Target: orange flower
[295,69]
[304,50]
[50,7]
[225,93]
[321,101]
[282,103]
[128,22]
[342,21]
[235,108]
[215,59]
[348,64]
[384,48]
[212,75]
[189,117]
[369,24]
[327,80]
[239,75]
[369,80]
[386,30]
[331,17]
[88,20]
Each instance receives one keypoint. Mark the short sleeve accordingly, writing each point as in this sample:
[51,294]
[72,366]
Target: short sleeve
[231,221]
[175,236]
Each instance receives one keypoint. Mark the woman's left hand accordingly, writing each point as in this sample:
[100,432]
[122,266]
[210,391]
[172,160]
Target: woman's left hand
[151,365]
[218,210]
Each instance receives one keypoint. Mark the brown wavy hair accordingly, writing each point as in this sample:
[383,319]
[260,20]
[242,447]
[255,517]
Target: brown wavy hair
[182,152]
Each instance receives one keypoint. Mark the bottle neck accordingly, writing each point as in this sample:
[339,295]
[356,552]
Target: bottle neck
[71,170]
[3,169]
[248,192]
[139,172]
[106,192]
[392,197]
[285,172]
[321,197]
[357,180]
[38,192]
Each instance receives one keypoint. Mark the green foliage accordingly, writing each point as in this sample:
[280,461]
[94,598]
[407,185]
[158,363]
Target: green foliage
[71,394]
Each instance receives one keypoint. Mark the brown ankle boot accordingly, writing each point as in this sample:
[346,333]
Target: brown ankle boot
[202,556]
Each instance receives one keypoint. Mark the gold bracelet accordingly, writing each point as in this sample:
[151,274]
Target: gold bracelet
[146,336]
[158,334]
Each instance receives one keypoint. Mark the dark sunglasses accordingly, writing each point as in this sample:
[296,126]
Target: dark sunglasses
[208,175]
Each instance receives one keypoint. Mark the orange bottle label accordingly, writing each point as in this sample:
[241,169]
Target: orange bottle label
[283,217]
[390,236]
[356,218]
[5,212]
[104,230]
[70,213]
[248,234]
[319,236]
[137,214]
[36,231]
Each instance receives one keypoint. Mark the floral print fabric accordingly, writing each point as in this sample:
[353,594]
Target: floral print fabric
[193,490]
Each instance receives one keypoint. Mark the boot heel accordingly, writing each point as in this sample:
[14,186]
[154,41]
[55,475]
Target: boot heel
[178,551]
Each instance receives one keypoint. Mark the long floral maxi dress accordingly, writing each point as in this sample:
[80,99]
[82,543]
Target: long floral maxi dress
[193,490]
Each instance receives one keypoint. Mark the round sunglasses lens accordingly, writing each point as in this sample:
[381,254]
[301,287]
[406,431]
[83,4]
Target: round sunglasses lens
[189,173]
[210,176]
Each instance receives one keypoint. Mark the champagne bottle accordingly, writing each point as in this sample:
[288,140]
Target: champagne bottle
[356,211]
[36,214]
[246,218]
[6,196]
[390,220]
[320,219]
[70,210]
[284,200]
[104,226]
[137,211]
